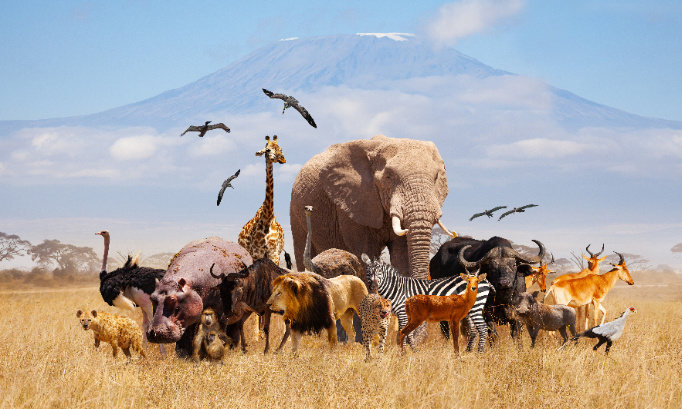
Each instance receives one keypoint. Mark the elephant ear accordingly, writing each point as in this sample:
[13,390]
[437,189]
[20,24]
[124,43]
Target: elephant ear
[347,178]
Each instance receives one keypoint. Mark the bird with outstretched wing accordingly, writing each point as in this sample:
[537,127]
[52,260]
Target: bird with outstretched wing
[202,129]
[488,213]
[291,102]
[226,184]
[516,210]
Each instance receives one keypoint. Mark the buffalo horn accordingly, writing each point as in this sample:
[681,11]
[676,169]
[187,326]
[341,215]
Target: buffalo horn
[509,252]
[467,264]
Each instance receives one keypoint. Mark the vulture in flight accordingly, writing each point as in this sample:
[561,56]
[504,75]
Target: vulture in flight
[516,210]
[488,213]
[226,184]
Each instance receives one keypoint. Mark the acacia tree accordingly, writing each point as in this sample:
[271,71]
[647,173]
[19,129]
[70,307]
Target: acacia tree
[12,246]
[68,258]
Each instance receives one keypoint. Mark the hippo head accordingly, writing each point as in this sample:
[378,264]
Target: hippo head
[176,306]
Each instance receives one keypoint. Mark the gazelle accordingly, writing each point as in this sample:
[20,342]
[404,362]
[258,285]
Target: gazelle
[590,289]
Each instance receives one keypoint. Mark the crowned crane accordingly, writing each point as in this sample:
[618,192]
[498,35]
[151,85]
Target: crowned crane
[202,129]
[291,102]
[607,332]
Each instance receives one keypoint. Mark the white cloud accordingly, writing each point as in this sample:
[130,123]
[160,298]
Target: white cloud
[537,148]
[212,145]
[134,147]
[458,20]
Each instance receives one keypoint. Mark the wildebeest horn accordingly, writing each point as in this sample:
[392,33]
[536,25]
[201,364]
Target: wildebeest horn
[220,277]
[622,259]
[533,260]
[594,255]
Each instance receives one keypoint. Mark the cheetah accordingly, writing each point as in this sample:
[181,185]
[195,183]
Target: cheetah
[375,313]
[120,332]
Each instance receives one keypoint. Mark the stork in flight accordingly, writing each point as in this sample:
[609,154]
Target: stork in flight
[291,102]
[202,129]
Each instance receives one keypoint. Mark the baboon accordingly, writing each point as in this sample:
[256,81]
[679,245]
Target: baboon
[214,347]
[209,324]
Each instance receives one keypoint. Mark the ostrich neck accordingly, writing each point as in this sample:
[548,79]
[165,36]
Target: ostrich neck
[106,253]
[307,261]
[268,203]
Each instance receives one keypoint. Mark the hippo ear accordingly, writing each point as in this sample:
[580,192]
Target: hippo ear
[182,283]
[79,313]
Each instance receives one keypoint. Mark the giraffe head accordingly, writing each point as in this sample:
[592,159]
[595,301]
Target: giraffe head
[272,151]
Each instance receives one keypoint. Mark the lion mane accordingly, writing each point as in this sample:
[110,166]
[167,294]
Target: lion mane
[307,301]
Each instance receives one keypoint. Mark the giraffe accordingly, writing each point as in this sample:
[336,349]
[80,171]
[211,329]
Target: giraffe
[262,236]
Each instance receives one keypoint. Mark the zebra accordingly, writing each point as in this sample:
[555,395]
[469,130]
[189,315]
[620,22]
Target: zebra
[397,289]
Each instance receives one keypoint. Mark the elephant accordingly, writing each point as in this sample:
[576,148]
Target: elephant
[371,194]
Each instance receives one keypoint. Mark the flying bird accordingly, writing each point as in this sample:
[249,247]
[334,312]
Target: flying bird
[488,213]
[291,102]
[227,183]
[202,129]
[516,210]
[607,332]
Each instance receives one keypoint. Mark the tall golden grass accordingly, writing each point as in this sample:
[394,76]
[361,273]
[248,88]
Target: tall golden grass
[47,360]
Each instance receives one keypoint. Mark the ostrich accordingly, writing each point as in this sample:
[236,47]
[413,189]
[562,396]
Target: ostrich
[332,263]
[292,102]
[129,286]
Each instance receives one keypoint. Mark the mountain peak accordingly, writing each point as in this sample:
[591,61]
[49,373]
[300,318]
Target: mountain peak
[392,36]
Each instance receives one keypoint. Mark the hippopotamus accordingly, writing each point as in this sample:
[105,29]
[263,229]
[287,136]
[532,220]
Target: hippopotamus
[188,288]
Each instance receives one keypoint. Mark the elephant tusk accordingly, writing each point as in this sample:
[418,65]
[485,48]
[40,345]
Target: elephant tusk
[396,227]
[449,233]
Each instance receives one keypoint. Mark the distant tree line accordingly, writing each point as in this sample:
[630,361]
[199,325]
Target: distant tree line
[63,259]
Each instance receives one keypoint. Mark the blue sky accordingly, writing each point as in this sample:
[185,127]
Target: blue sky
[149,188]
[77,57]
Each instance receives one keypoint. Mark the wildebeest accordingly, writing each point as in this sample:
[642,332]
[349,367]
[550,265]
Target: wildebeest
[505,269]
[247,291]
[188,288]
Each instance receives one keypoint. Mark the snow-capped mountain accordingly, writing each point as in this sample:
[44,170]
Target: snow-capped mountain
[364,61]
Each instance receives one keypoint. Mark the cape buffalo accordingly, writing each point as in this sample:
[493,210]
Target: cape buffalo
[505,269]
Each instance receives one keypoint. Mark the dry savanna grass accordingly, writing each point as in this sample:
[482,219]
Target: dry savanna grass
[47,360]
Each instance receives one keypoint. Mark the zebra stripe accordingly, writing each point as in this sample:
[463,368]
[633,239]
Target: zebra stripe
[397,289]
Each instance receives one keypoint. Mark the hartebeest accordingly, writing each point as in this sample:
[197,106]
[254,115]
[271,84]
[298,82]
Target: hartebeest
[539,276]
[592,269]
[590,289]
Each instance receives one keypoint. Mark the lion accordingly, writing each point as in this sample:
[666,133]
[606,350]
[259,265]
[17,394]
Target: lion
[312,303]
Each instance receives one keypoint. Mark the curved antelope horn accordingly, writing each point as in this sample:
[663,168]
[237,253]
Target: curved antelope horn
[220,277]
[397,229]
[448,232]
[588,250]
[622,259]
[602,250]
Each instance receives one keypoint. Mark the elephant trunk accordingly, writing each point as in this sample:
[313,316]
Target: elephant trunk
[418,247]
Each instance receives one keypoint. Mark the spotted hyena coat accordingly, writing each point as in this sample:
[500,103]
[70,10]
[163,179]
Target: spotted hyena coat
[120,332]
[375,314]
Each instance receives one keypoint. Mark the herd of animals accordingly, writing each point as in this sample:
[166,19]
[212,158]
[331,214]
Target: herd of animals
[368,195]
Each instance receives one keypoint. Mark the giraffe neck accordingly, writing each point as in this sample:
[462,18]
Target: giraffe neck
[268,203]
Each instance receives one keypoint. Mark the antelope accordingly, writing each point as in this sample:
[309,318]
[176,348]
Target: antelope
[590,289]
[592,268]
[539,276]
